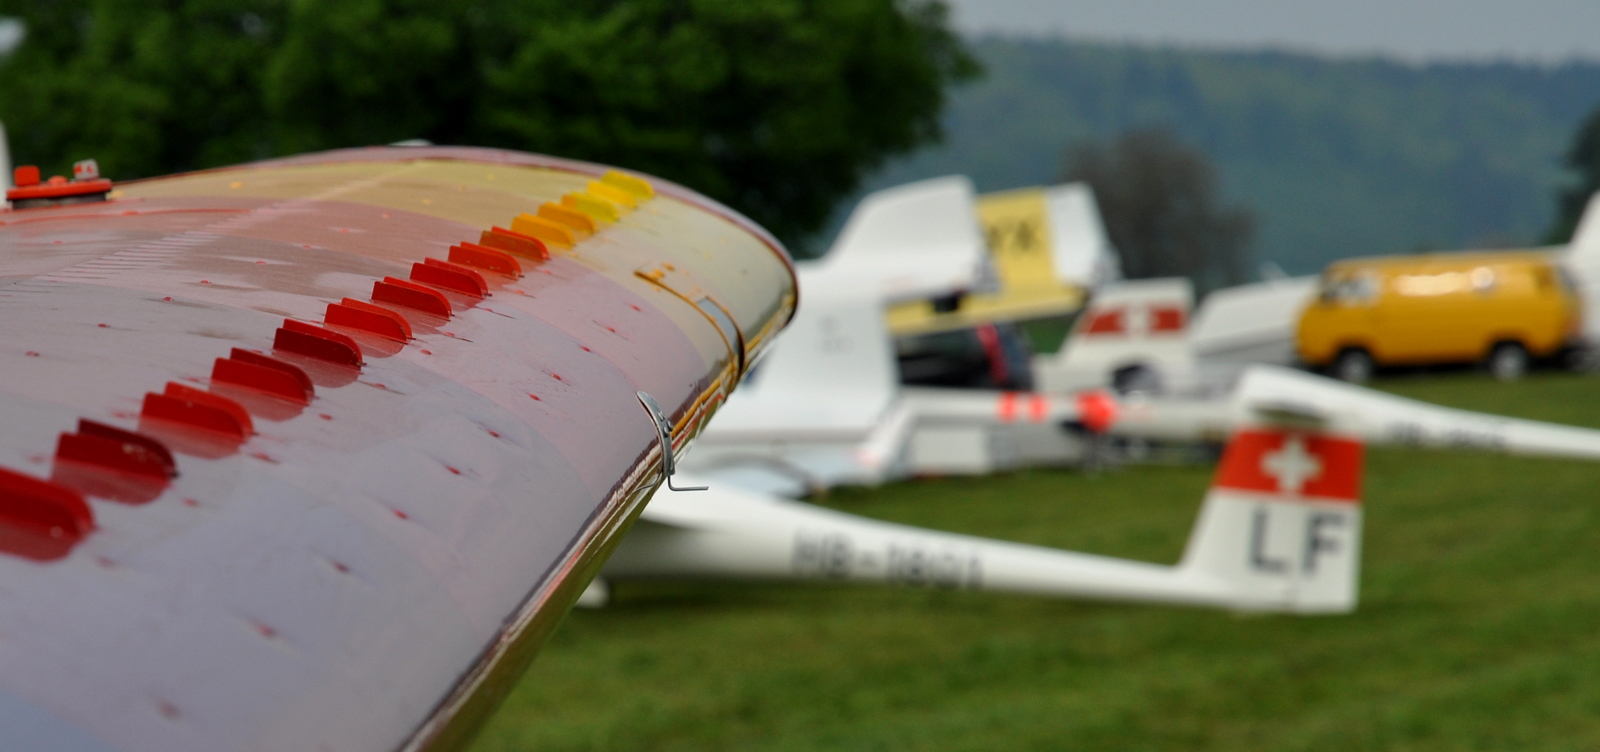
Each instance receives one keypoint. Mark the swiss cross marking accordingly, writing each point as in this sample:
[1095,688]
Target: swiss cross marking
[1292,466]
[1139,320]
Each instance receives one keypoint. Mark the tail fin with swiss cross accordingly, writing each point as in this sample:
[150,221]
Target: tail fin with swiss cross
[1281,526]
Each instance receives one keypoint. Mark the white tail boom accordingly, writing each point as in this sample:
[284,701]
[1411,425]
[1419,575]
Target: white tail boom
[1280,530]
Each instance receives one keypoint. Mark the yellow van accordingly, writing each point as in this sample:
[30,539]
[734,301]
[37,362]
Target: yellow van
[1499,308]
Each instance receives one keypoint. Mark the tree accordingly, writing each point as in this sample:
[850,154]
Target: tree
[1583,159]
[1158,199]
[777,108]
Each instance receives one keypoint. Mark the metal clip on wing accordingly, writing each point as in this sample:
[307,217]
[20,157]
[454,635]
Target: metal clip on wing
[669,464]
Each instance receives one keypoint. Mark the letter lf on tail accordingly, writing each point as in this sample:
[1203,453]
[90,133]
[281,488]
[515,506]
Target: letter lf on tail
[1282,523]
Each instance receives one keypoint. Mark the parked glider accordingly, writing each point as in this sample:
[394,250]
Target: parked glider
[313,454]
[828,408]
[1280,530]
[1049,250]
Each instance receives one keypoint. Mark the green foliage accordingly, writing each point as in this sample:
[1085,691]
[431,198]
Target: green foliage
[1479,627]
[143,87]
[1583,160]
[1336,157]
[776,108]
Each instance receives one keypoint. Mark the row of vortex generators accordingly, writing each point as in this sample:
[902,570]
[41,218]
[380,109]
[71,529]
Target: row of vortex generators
[43,519]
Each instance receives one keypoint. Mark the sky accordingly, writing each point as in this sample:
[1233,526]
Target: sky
[1541,31]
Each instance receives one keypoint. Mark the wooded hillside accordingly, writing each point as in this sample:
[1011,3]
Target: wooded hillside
[1337,157]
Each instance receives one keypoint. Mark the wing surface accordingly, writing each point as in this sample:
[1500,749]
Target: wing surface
[349,433]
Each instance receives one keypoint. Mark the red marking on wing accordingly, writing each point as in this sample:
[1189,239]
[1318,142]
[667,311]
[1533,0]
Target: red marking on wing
[1006,409]
[1246,465]
[1097,410]
[1038,407]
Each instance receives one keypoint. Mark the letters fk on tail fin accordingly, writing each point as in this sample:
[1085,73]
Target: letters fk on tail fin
[1281,526]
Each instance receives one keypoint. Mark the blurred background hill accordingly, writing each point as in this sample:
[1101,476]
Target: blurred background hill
[1335,156]
[790,111]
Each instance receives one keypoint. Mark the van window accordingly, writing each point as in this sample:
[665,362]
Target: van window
[1480,280]
[1349,289]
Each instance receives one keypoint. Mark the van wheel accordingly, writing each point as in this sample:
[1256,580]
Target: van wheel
[1353,365]
[1508,361]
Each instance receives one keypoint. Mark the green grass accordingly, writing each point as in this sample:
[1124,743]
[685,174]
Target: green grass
[1479,628]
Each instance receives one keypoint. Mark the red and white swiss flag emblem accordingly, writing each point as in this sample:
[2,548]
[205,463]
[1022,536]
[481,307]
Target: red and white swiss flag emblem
[1292,464]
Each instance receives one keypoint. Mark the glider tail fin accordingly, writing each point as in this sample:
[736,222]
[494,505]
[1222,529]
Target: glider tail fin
[1280,529]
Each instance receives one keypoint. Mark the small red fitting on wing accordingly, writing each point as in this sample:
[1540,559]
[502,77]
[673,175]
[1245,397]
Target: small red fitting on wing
[25,176]
[453,277]
[483,257]
[400,292]
[1097,410]
[374,319]
[267,361]
[313,341]
[278,379]
[514,242]
[193,408]
[31,193]
[39,519]
[109,448]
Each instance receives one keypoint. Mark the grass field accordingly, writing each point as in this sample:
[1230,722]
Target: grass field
[1479,627]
